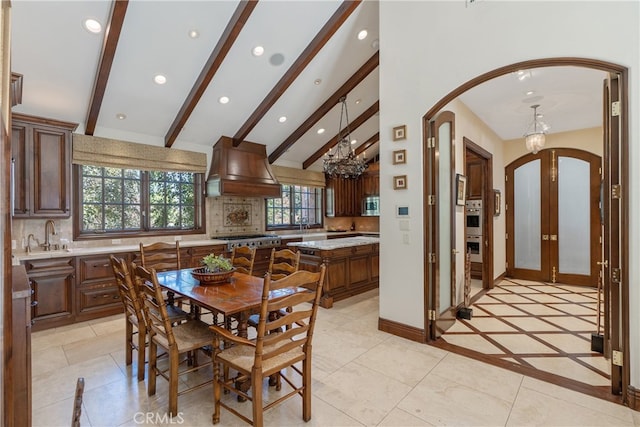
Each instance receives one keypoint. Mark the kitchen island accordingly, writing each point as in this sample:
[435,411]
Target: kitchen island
[352,265]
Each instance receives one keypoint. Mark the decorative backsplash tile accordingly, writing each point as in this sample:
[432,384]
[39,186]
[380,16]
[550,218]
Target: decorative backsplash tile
[237,214]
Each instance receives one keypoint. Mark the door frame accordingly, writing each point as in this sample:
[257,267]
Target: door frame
[623,148]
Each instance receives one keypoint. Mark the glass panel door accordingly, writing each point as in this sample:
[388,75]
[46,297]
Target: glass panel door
[526,207]
[444,214]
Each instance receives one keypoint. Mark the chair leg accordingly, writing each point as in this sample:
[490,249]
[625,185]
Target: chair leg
[173,382]
[215,419]
[306,392]
[142,339]
[256,400]
[153,357]
[128,345]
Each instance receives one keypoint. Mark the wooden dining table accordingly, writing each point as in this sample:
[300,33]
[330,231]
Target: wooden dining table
[239,297]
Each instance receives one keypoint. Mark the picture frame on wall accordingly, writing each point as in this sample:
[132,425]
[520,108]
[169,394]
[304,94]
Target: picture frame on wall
[400,182]
[399,157]
[400,132]
[497,202]
[461,189]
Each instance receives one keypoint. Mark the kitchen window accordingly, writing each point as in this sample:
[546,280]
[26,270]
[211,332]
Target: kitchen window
[298,206]
[130,202]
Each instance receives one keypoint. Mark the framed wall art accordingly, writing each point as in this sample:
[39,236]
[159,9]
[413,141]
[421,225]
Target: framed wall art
[461,189]
[399,157]
[400,182]
[400,132]
[497,202]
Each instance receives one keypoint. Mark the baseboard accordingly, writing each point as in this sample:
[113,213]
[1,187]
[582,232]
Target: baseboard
[633,398]
[402,330]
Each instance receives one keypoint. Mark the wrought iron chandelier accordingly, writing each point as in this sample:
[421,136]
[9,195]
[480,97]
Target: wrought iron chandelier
[534,137]
[342,161]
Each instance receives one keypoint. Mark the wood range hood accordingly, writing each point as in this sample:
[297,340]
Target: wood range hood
[241,171]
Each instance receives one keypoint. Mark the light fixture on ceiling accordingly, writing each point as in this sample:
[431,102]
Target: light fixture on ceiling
[92,25]
[159,79]
[534,137]
[343,162]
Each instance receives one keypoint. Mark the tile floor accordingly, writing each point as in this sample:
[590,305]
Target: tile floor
[361,377]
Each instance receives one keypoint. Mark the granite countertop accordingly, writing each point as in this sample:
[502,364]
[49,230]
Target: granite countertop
[336,243]
[18,256]
[323,234]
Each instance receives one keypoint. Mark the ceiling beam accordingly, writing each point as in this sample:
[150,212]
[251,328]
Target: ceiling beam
[368,143]
[109,46]
[353,81]
[228,38]
[324,35]
[333,141]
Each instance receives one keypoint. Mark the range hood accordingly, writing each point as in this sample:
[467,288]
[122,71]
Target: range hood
[241,171]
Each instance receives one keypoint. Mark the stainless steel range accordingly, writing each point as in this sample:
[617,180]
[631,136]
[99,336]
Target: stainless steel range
[251,240]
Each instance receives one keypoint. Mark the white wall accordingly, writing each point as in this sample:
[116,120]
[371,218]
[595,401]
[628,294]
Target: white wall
[429,48]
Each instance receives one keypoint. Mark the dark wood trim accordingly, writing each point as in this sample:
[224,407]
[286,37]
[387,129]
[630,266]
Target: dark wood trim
[353,81]
[109,46]
[16,89]
[403,331]
[368,143]
[231,32]
[44,121]
[324,35]
[499,279]
[633,398]
[333,141]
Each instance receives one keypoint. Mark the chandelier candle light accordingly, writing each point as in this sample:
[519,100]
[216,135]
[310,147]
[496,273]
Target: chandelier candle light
[534,138]
[342,161]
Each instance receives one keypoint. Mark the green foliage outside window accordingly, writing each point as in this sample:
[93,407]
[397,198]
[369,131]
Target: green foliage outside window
[297,205]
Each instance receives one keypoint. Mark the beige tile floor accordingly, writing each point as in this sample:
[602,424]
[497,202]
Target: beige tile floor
[361,377]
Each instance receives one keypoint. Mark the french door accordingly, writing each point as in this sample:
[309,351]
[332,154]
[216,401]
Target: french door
[554,217]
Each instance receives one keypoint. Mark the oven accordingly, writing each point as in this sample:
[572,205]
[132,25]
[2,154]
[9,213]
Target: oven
[473,217]
[474,248]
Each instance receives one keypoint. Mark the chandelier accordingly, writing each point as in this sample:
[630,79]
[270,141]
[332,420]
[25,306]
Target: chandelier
[342,161]
[534,137]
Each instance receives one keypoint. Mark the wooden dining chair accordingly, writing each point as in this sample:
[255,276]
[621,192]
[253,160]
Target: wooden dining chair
[243,258]
[77,403]
[177,340]
[282,354]
[162,256]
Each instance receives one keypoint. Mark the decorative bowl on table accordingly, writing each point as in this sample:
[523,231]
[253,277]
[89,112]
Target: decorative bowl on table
[206,277]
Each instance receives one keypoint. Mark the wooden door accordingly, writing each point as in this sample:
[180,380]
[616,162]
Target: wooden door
[553,217]
[440,208]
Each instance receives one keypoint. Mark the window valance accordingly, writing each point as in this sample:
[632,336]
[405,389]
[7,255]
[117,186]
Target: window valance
[93,150]
[293,176]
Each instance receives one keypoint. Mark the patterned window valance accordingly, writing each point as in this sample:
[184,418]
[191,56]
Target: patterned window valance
[293,176]
[93,150]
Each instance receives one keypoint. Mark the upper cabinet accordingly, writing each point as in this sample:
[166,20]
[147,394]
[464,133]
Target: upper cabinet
[474,180]
[371,180]
[344,196]
[41,156]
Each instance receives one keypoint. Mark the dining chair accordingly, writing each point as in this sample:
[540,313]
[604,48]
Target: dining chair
[77,403]
[271,354]
[242,258]
[177,340]
[162,256]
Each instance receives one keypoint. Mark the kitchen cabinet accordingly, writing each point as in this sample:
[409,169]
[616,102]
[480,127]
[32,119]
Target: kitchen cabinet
[41,155]
[474,180]
[371,181]
[52,281]
[192,257]
[97,292]
[343,196]
[20,377]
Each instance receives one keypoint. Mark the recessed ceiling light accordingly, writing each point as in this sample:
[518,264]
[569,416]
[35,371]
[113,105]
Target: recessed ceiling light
[529,92]
[121,116]
[375,44]
[362,34]
[320,131]
[276,59]
[317,82]
[223,100]
[160,79]
[353,141]
[92,25]
[358,101]
[282,119]
[257,51]
[194,34]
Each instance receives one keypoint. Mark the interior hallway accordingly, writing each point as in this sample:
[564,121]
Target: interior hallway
[540,327]
[361,377]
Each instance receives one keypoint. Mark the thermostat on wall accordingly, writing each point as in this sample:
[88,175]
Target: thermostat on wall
[402,211]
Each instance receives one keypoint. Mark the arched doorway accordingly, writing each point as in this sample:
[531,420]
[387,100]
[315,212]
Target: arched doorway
[615,212]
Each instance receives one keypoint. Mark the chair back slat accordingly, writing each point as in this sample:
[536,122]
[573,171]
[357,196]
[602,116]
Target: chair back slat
[155,308]
[283,262]
[127,289]
[243,258]
[160,256]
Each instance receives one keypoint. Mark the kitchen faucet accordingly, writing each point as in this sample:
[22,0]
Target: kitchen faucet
[303,224]
[29,237]
[49,229]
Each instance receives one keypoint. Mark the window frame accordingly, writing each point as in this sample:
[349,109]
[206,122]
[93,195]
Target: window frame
[199,213]
[296,225]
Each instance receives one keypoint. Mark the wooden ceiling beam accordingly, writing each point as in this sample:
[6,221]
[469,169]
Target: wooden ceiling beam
[109,46]
[368,143]
[324,35]
[333,141]
[354,80]
[228,38]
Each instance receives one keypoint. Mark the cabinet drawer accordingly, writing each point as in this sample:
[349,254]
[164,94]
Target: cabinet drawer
[94,267]
[98,296]
[48,265]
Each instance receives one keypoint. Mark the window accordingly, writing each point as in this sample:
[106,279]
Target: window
[132,202]
[297,205]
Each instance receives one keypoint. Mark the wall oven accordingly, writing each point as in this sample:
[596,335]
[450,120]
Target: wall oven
[474,248]
[473,217]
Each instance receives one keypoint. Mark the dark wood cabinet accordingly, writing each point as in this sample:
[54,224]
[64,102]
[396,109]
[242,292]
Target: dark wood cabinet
[52,281]
[343,196]
[371,181]
[97,293]
[41,155]
[191,257]
[20,348]
[474,180]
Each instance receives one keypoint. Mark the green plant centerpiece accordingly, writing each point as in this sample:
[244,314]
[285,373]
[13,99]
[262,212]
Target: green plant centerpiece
[217,270]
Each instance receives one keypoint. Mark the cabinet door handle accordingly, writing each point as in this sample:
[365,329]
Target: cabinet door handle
[103,265]
[34,303]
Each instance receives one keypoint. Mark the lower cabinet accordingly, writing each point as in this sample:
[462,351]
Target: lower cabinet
[191,257]
[97,294]
[52,282]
